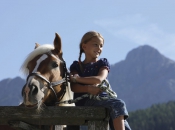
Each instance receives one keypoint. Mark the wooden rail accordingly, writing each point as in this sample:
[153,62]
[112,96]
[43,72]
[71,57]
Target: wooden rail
[96,118]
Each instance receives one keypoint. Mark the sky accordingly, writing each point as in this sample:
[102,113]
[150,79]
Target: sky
[124,24]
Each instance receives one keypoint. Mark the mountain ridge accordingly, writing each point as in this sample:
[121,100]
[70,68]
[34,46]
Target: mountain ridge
[144,72]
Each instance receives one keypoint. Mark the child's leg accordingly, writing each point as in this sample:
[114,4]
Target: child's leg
[119,123]
[117,108]
[111,124]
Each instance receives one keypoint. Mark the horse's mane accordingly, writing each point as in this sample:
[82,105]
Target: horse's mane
[38,51]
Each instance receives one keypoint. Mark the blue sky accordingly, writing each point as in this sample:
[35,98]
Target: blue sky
[124,25]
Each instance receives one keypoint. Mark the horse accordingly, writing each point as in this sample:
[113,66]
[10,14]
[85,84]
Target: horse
[47,81]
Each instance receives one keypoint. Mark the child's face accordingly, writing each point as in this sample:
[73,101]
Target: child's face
[93,48]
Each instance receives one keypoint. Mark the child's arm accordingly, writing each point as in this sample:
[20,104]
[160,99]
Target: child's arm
[92,81]
[92,89]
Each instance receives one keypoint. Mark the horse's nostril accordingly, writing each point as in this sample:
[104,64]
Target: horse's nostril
[34,90]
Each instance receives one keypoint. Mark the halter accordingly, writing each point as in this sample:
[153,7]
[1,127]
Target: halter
[63,81]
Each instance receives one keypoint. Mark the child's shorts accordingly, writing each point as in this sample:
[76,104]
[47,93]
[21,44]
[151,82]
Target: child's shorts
[116,107]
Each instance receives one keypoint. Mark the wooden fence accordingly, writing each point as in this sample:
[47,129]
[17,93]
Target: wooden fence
[96,118]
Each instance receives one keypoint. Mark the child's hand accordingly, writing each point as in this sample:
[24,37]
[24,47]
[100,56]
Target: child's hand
[92,89]
[73,77]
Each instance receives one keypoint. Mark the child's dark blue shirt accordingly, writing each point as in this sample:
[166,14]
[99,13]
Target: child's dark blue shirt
[90,69]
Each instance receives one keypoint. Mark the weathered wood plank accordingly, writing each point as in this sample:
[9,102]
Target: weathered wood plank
[52,115]
[19,125]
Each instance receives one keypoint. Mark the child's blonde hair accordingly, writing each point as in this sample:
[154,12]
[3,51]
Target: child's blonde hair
[87,37]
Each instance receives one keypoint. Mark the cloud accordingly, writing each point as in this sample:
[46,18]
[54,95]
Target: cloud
[138,29]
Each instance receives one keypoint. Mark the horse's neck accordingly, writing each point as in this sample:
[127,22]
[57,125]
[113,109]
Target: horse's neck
[68,95]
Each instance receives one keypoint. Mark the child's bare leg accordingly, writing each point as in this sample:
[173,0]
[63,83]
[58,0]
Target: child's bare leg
[119,123]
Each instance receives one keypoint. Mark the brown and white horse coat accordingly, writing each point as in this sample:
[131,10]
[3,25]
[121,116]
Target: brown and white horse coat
[46,79]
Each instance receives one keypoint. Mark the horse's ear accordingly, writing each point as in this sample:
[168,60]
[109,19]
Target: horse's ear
[36,45]
[57,44]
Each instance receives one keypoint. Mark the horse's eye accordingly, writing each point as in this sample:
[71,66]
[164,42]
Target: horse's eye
[54,65]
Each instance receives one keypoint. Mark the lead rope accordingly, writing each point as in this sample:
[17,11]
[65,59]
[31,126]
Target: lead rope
[105,86]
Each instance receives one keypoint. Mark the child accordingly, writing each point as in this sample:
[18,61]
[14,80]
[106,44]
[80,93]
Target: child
[86,74]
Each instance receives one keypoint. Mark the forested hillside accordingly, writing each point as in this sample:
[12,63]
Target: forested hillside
[157,117]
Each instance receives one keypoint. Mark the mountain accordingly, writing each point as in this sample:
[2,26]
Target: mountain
[144,78]
[10,94]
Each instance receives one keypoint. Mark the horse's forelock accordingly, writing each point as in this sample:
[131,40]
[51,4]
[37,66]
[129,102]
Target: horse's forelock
[38,51]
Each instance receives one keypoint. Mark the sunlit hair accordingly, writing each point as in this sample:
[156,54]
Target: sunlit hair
[86,38]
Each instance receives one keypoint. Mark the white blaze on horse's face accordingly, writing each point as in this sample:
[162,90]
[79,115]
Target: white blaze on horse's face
[33,88]
[43,57]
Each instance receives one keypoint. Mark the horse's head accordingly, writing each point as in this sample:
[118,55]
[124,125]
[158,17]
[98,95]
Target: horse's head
[47,75]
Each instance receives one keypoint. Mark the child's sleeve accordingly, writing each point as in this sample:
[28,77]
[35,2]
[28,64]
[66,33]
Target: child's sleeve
[73,66]
[104,63]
